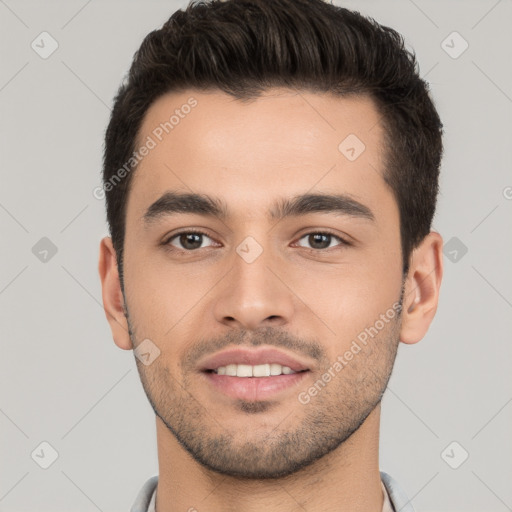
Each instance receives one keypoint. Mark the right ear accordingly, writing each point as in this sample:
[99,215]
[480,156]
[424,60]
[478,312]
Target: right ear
[113,300]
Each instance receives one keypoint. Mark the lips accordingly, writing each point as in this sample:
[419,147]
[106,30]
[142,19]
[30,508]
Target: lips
[253,388]
[254,358]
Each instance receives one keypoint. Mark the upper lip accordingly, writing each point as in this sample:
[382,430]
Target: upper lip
[252,357]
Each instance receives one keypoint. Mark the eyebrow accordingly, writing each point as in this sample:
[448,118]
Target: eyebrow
[172,203]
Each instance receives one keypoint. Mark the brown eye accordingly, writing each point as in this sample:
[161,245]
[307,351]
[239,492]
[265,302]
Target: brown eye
[321,240]
[188,240]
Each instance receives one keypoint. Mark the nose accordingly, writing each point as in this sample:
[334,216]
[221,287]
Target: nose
[256,292]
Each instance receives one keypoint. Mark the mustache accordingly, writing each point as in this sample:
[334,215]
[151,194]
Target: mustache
[268,336]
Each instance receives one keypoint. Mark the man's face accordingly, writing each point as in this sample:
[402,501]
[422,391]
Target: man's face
[259,280]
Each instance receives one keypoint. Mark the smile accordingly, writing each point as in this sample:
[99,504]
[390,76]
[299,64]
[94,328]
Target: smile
[259,370]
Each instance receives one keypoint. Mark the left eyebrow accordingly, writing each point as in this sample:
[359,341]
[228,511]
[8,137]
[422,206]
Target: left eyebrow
[172,203]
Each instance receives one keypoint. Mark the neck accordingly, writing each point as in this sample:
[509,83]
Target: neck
[346,479]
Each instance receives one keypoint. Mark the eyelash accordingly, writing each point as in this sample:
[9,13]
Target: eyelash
[171,248]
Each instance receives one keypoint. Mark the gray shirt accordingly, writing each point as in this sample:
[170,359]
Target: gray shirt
[395,500]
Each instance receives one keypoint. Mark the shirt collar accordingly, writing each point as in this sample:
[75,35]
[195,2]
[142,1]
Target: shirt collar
[394,498]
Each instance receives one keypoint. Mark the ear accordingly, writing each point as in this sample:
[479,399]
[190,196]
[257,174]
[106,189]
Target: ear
[113,300]
[422,286]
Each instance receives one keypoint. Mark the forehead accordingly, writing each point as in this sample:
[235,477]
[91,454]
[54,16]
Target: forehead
[284,143]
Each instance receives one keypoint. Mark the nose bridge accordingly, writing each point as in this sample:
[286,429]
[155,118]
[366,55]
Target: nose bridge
[252,292]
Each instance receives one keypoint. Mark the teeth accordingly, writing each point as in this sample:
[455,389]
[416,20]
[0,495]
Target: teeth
[275,369]
[259,370]
[244,370]
[231,369]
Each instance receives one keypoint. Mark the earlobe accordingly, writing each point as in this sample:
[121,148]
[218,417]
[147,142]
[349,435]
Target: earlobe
[422,288]
[113,300]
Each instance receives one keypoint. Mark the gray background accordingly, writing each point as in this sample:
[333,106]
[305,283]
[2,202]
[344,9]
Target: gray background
[64,381]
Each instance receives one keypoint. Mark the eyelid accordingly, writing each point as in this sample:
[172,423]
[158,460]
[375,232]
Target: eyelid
[324,231]
[343,241]
[168,239]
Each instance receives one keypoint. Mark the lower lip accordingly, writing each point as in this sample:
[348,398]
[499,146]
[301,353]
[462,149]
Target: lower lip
[254,388]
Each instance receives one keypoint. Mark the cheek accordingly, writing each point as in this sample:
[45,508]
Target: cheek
[352,299]
[164,298]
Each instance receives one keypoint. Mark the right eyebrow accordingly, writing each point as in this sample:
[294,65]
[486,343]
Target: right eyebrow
[177,202]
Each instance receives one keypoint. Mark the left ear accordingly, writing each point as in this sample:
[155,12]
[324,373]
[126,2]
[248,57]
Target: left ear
[422,286]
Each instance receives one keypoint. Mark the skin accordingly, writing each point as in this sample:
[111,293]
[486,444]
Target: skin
[217,453]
